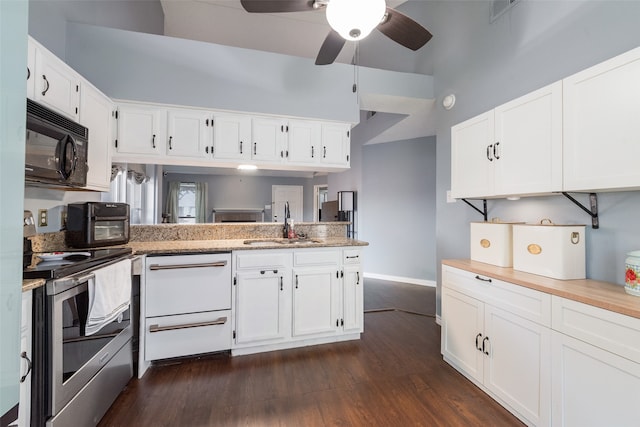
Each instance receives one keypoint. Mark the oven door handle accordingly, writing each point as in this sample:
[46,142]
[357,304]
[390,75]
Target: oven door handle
[73,281]
[157,328]
[154,267]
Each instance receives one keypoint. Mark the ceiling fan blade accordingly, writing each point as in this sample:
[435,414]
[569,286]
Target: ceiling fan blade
[330,48]
[275,6]
[404,30]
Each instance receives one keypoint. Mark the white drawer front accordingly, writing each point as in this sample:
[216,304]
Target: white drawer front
[174,336]
[187,284]
[315,257]
[351,256]
[263,259]
[614,332]
[527,303]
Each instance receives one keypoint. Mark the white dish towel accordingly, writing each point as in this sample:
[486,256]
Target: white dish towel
[109,295]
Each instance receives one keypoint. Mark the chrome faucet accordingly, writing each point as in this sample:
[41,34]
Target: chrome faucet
[287,215]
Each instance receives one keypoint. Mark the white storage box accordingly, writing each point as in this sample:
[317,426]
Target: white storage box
[556,251]
[491,242]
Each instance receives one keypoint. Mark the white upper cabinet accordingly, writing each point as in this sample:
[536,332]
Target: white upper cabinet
[528,143]
[96,114]
[268,139]
[231,136]
[601,125]
[472,157]
[515,149]
[303,141]
[336,144]
[31,69]
[53,82]
[189,133]
[142,130]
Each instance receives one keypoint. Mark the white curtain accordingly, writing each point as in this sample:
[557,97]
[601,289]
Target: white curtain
[201,202]
[172,207]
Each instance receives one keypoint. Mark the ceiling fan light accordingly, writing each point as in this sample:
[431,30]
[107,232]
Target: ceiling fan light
[355,19]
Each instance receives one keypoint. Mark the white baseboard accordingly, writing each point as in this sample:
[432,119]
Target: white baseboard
[421,282]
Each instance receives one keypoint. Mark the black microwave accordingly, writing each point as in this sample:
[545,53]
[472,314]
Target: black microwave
[94,224]
[56,148]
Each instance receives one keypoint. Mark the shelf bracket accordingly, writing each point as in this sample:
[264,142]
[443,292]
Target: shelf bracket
[593,212]
[482,212]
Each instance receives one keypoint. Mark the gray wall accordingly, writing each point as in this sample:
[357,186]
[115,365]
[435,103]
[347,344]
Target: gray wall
[484,65]
[48,18]
[13,45]
[245,192]
[398,213]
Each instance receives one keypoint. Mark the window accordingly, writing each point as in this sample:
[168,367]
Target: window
[187,203]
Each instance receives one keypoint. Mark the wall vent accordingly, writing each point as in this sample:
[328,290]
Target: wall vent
[499,7]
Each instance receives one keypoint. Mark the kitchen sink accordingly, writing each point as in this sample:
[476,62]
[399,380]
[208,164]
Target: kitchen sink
[283,242]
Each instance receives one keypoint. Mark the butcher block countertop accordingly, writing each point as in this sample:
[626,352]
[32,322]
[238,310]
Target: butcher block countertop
[194,246]
[604,295]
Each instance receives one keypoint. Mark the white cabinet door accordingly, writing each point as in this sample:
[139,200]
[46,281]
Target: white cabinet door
[231,136]
[26,356]
[335,144]
[352,299]
[462,332]
[56,84]
[472,157]
[260,307]
[528,143]
[315,301]
[96,113]
[188,133]
[601,125]
[268,139]
[592,387]
[517,364]
[141,130]
[31,69]
[303,141]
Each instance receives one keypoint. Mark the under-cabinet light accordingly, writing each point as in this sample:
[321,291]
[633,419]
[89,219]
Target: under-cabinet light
[247,167]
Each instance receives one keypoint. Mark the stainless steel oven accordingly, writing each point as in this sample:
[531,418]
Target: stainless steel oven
[77,374]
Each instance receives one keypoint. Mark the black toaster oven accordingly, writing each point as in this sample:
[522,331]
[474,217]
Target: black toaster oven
[95,224]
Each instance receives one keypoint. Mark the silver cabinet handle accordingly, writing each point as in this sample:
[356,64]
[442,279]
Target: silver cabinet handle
[495,151]
[218,321]
[489,148]
[154,267]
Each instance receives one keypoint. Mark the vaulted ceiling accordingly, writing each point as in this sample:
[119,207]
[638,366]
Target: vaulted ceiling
[299,34]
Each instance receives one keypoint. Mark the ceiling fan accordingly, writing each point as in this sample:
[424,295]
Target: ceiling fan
[350,20]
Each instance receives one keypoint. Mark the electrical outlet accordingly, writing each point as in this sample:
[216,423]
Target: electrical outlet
[43,217]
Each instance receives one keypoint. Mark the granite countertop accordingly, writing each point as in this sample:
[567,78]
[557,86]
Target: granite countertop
[608,296]
[30,284]
[180,246]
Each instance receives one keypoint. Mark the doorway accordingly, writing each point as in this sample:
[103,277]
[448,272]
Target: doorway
[320,195]
[286,193]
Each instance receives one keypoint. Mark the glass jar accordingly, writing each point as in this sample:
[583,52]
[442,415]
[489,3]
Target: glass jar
[632,273]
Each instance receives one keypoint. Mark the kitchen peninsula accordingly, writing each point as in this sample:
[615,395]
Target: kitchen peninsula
[241,287]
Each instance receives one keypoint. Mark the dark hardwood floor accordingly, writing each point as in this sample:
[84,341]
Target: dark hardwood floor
[393,376]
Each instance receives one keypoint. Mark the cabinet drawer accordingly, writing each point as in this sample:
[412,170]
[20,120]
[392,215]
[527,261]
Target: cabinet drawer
[187,284]
[263,259]
[311,257]
[187,334]
[614,332]
[528,303]
[351,256]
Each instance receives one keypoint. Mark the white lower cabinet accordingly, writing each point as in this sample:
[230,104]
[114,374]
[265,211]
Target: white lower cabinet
[187,305]
[24,409]
[315,301]
[289,298]
[595,366]
[493,342]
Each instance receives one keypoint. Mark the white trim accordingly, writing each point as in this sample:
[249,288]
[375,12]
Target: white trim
[438,320]
[410,280]
[241,351]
